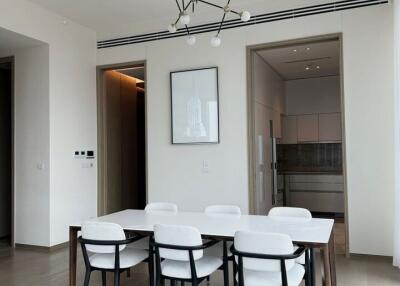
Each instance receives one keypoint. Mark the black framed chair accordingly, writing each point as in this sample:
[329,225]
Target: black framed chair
[180,256]
[303,215]
[104,249]
[268,259]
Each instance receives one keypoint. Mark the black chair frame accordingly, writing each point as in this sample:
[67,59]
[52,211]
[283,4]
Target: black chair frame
[160,278]
[117,269]
[282,258]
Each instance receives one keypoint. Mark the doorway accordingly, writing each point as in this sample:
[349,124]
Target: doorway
[6,152]
[122,137]
[297,143]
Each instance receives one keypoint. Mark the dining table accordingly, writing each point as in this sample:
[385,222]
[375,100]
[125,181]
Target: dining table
[314,233]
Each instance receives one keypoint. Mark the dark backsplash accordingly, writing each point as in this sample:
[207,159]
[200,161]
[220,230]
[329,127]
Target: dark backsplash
[322,157]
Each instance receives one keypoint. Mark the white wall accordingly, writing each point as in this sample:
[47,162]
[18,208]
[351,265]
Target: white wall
[175,171]
[313,95]
[269,104]
[71,119]
[32,146]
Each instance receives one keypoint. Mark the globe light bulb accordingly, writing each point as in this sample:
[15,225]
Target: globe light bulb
[184,18]
[216,41]
[172,28]
[191,40]
[245,16]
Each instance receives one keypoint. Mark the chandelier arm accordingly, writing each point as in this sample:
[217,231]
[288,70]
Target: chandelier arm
[179,7]
[220,25]
[217,6]
[187,6]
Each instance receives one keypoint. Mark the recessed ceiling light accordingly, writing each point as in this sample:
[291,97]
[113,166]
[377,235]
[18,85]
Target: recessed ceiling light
[307,68]
[318,67]
[295,50]
[308,49]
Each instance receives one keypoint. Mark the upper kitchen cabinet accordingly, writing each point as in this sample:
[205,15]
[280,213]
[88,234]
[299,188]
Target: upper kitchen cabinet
[330,127]
[307,128]
[289,130]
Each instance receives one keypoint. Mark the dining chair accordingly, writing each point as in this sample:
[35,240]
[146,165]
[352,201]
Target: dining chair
[267,259]
[298,213]
[161,207]
[180,255]
[104,249]
[223,249]
[170,208]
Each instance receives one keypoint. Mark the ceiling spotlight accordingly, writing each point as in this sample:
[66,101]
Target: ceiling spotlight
[172,28]
[308,49]
[318,67]
[191,40]
[184,18]
[307,68]
[295,50]
[245,16]
[216,41]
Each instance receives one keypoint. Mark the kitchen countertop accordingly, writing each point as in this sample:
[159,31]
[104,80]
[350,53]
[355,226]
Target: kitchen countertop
[309,172]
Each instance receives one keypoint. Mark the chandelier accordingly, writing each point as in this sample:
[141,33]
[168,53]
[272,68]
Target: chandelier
[188,7]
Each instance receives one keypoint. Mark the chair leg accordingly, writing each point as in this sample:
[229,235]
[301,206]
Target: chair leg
[128,273]
[312,266]
[234,273]
[172,282]
[87,277]
[117,278]
[307,266]
[208,279]
[104,278]
[182,283]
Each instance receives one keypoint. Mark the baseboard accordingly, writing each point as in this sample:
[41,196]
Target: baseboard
[42,248]
[371,256]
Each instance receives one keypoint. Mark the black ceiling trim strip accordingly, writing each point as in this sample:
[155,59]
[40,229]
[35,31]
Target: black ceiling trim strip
[236,23]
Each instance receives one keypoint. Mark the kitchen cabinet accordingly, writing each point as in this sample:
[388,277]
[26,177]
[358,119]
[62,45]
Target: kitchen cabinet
[289,130]
[330,127]
[307,128]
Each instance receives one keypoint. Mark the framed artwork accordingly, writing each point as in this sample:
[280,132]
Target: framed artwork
[195,106]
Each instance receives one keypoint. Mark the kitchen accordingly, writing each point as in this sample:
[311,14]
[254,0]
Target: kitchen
[298,119]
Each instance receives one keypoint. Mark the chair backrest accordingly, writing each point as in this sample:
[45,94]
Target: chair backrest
[290,212]
[161,207]
[223,209]
[102,231]
[179,236]
[264,243]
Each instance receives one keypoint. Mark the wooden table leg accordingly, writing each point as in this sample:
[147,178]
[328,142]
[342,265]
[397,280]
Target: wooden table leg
[332,259]
[73,244]
[329,262]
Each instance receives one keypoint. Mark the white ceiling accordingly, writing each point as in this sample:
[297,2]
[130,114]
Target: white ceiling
[115,18]
[12,41]
[291,62]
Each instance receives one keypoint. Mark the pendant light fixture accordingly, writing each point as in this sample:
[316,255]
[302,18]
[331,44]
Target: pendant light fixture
[184,19]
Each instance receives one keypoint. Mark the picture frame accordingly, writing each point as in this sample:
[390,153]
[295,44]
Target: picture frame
[195,106]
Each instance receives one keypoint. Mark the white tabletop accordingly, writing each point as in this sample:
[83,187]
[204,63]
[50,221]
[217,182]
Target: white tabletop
[300,230]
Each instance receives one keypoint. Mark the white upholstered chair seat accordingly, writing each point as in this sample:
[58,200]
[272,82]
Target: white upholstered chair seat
[181,269]
[128,258]
[262,278]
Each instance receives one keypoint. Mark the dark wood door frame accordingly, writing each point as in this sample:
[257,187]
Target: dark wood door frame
[11,60]
[102,134]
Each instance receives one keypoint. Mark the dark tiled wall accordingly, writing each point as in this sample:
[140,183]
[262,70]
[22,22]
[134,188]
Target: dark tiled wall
[323,157]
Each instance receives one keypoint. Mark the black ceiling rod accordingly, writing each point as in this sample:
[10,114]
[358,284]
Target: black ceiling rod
[217,6]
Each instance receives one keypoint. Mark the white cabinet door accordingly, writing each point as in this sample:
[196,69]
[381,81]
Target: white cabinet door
[307,128]
[289,130]
[330,127]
